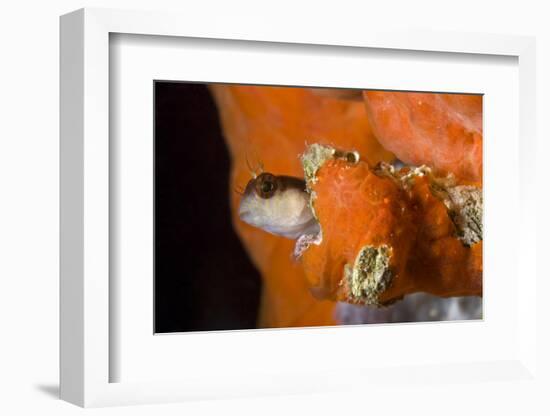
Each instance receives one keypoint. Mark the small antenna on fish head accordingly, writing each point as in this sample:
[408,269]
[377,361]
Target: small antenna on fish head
[249,166]
[254,171]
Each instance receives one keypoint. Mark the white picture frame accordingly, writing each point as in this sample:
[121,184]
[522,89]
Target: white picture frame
[85,220]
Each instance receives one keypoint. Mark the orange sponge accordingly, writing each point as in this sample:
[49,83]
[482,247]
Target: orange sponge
[386,234]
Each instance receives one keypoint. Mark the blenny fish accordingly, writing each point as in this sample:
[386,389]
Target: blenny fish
[279,205]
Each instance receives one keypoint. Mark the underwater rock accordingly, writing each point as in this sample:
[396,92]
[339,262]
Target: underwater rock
[418,307]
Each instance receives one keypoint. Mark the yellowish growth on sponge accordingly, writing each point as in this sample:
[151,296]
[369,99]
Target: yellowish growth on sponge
[317,154]
[313,158]
[370,274]
[465,205]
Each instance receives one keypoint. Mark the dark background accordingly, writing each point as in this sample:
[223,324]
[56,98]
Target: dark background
[203,277]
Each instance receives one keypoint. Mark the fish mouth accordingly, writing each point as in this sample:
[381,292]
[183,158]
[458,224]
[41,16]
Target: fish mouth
[294,231]
[245,214]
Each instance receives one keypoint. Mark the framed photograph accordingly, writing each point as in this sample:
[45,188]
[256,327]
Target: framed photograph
[267,212]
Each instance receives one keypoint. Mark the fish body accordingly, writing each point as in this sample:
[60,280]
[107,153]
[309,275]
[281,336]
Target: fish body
[278,205]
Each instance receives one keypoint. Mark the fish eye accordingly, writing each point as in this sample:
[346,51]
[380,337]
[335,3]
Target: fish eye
[266,185]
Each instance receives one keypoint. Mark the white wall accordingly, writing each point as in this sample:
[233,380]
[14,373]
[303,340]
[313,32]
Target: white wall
[29,186]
